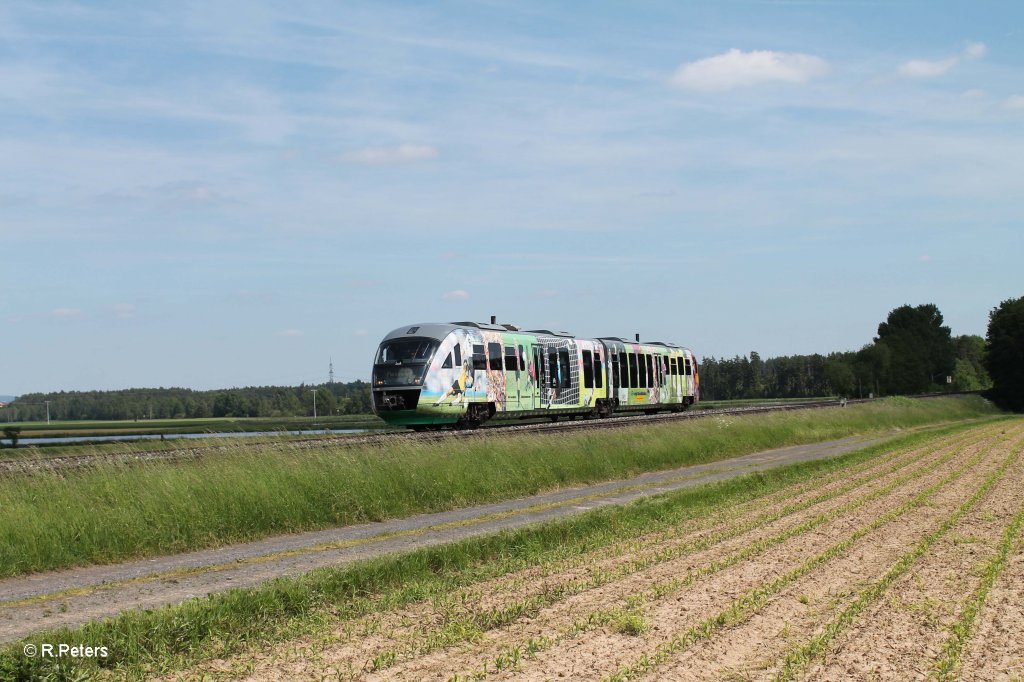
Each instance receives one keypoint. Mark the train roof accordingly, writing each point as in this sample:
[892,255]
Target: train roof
[439,330]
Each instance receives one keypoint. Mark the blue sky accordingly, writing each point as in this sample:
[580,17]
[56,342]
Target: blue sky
[218,194]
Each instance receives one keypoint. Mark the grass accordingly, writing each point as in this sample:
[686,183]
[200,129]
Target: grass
[116,512]
[170,638]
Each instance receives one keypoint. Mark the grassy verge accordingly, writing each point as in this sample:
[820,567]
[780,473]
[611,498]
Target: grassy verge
[114,512]
[142,643]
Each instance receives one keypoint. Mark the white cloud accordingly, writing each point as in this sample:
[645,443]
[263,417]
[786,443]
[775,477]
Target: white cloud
[925,258]
[922,68]
[1014,102]
[975,50]
[403,153]
[290,333]
[974,93]
[66,312]
[360,332]
[736,69]
[457,295]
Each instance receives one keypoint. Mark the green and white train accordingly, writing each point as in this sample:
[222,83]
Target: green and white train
[462,374]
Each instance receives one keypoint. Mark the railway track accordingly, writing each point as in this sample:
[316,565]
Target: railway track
[33,463]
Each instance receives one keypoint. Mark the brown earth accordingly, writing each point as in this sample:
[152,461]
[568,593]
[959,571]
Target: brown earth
[577,614]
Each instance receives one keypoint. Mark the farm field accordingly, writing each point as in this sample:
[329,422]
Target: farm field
[907,565]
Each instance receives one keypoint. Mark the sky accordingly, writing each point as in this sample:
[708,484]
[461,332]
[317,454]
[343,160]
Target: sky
[216,194]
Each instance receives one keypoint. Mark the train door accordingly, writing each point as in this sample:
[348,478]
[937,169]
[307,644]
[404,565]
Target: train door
[540,359]
[513,377]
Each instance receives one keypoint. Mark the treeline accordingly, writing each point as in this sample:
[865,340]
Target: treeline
[913,353]
[175,403]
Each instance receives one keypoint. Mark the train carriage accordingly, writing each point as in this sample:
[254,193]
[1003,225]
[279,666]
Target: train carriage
[464,373]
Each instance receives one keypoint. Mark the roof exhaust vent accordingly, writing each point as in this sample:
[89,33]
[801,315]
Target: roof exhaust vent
[638,338]
[494,319]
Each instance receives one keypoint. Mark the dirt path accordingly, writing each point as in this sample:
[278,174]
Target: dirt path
[76,596]
[570,623]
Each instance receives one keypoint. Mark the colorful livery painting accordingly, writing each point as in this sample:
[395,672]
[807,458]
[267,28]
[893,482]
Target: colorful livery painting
[464,373]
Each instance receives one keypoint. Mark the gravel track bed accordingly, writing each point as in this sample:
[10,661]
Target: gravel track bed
[314,658]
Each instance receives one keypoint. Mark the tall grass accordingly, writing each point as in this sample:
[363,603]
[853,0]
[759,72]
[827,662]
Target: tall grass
[114,512]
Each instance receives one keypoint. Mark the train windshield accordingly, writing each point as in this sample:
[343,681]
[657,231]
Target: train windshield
[403,362]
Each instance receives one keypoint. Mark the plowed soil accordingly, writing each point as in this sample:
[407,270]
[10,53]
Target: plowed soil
[861,575]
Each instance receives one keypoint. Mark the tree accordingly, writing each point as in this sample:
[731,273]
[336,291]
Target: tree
[1004,354]
[922,348]
[839,375]
[969,372]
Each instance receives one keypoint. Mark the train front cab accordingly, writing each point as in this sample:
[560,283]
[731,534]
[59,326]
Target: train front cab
[401,371]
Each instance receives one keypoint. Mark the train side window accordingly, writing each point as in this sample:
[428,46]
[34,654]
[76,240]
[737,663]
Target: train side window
[598,371]
[588,369]
[563,367]
[672,366]
[634,380]
[613,358]
[458,354]
[689,369]
[447,364]
[494,356]
[645,371]
[479,359]
[553,367]
[522,359]
[511,361]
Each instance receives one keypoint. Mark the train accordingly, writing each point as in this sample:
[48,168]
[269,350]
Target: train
[462,374]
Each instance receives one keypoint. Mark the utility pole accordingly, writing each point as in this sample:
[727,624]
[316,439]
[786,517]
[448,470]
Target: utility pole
[314,403]
[330,372]
[47,411]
